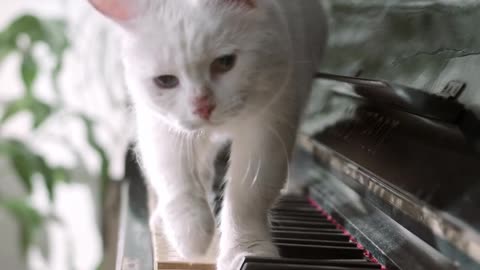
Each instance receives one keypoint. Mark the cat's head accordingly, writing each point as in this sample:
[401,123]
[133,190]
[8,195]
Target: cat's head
[197,63]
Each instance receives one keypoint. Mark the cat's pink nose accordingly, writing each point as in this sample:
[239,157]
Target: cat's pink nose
[203,107]
[205,112]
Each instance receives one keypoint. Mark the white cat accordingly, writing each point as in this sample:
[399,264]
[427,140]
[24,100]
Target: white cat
[204,72]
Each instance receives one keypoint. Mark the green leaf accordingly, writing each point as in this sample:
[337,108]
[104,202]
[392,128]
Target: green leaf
[34,30]
[14,107]
[48,176]
[21,160]
[55,75]
[105,163]
[55,36]
[29,70]
[5,49]
[50,31]
[61,174]
[39,110]
[26,164]
[26,24]
[51,176]
[29,220]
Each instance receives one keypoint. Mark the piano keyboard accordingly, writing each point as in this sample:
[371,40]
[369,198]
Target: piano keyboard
[307,239]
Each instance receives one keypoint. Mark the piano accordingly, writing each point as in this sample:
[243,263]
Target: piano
[386,172]
[391,183]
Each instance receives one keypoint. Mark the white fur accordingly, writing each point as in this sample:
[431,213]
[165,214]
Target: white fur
[259,104]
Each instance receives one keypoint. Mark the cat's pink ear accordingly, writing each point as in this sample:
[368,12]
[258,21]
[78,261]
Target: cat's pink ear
[117,10]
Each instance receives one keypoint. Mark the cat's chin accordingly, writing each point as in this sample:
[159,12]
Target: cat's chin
[199,126]
[191,127]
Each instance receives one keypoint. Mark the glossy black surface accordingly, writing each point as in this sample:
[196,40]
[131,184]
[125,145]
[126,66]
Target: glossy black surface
[419,166]
[404,98]
[420,156]
[398,145]
[390,243]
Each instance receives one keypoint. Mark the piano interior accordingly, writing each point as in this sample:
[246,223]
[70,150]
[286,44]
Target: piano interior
[387,163]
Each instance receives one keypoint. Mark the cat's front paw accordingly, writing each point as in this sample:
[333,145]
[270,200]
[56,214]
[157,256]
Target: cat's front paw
[231,257]
[189,226]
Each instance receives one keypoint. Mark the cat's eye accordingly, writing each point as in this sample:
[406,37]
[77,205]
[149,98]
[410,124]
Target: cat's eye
[223,64]
[166,81]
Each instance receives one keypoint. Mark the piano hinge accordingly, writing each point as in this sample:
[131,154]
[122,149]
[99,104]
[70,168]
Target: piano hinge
[453,89]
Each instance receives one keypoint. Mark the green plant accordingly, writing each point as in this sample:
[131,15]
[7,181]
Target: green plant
[20,39]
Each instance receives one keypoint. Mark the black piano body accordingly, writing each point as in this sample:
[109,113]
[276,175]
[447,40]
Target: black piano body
[414,166]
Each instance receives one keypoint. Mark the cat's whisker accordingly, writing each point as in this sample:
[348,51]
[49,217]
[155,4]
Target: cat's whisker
[185,150]
[177,139]
[203,162]
[278,93]
[247,171]
[235,105]
[280,118]
[259,165]
[182,142]
[191,157]
[285,151]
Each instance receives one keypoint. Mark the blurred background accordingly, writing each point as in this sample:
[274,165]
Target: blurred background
[65,124]
[63,135]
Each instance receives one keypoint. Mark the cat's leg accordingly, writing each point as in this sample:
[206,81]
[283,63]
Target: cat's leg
[207,152]
[183,212]
[258,171]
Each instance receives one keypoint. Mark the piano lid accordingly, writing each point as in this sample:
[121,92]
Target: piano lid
[395,129]
[421,44]
[409,151]
[419,146]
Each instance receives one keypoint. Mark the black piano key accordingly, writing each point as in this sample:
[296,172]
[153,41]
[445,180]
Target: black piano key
[292,204]
[319,252]
[299,217]
[285,222]
[281,266]
[311,235]
[348,264]
[295,207]
[314,242]
[307,230]
[352,263]
[305,212]
[296,211]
